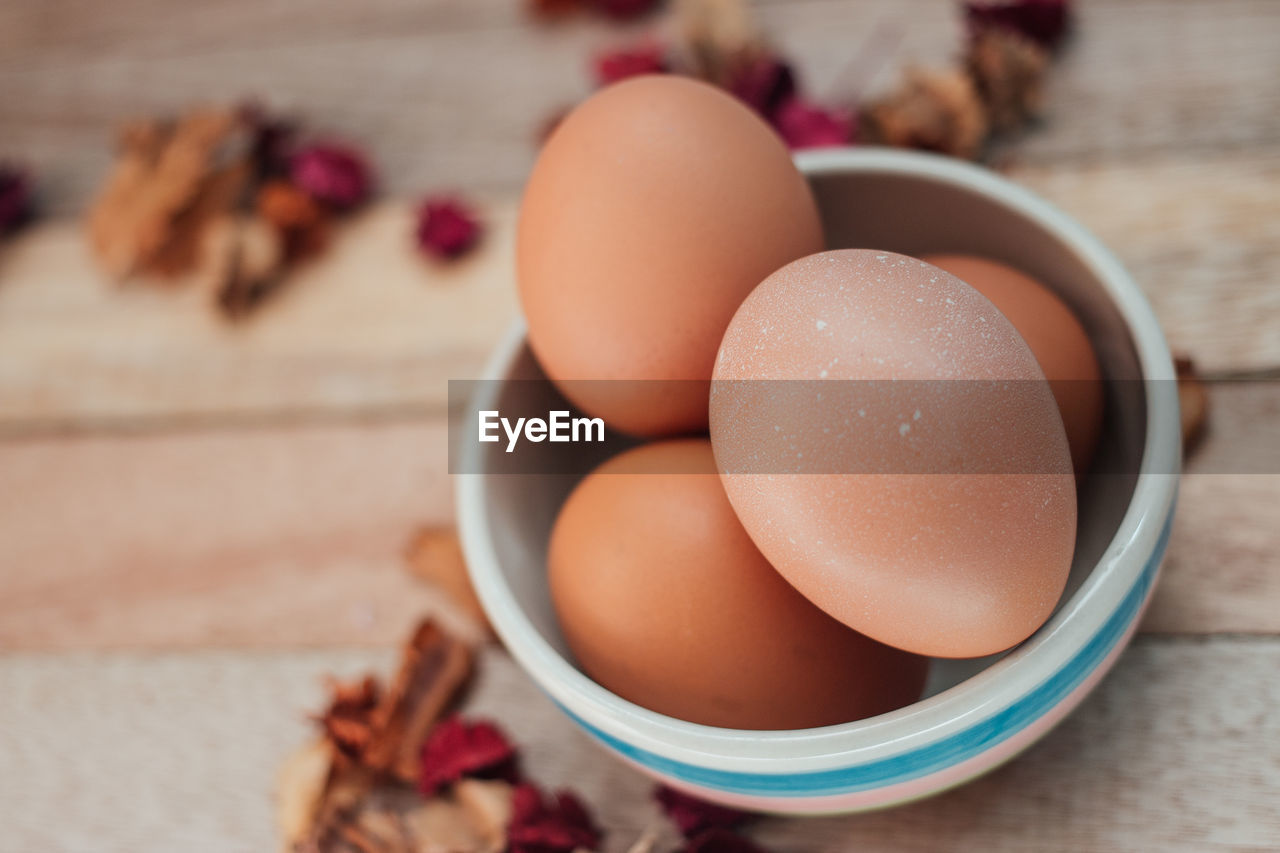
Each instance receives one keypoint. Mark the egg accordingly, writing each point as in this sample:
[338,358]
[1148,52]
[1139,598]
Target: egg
[664,600]
[652,211]
[930,506]
[1054,334]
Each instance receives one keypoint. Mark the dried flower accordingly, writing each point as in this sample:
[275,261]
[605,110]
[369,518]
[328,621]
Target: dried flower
[433,671]
[15,198]
[348,721]
[1193,400]
[560,826]
[721,841]
[456,749]
[644,58]
[272,140]
[934,111]
[554,8]
[388,731]
[253,268]
[1043,21]
[693,816]
[1008,70]
[622,10]
[336,175]
[761,79]
[168,184]
[301,784]
[302,222]
[806,125]
[446,227]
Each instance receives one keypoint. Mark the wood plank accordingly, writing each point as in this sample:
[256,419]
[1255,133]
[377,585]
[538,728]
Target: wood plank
[1170,753]
[1199,235]
[280,536]
[376,328]
[451,93]
[291,535]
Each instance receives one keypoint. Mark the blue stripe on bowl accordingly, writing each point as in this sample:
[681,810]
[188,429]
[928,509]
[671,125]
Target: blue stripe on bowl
[933,757]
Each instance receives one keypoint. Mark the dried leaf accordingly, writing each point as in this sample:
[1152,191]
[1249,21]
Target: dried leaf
[254,267]
[433,671]
[167,185]
[273,140]
[554,8]
[302,222]
[435,555]
[1043,21]
[443,826]
[718,33]
[1008,71]
[646,843]
[300,789]
[623,10]
[1193,398]
[384,731]
[15,198]
[349,720]
[721,841]
[488,804]
[934,111]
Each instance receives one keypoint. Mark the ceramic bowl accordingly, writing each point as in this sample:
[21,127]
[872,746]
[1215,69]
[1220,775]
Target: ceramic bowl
[975,714]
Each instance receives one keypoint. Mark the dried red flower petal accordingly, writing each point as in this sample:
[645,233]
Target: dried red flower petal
[806,125]
[554,8]
[446,227]
[272,140]
[644,58]
[1043,21]
[692,815]
[336,175]
[764,81]
[721,841]
[559,826]
[456,749]
[622,10]
[15,198]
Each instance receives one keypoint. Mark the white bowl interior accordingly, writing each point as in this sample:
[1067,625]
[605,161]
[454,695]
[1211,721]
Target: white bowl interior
[902,212]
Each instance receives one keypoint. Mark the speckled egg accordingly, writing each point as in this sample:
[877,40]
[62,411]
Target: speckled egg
[913,478]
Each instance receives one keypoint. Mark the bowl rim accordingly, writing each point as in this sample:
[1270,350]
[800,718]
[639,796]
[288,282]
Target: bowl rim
[1101,612]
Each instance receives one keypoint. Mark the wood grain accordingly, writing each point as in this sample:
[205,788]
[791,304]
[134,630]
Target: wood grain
[280,536]
[452,93]
[375,328]
[293,535]
[170,484]
[1178,750]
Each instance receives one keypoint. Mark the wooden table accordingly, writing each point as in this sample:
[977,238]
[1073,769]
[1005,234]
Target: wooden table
[198,520]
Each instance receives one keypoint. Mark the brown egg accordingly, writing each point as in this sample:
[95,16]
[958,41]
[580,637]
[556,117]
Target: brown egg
[665,601]
[930,506]
[652,211]
[1054,334]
